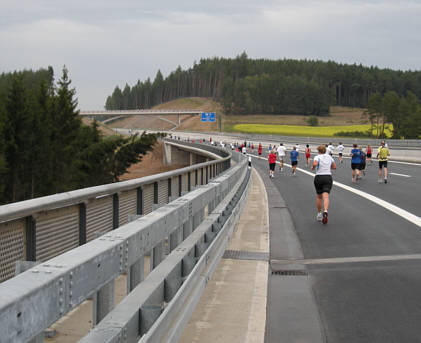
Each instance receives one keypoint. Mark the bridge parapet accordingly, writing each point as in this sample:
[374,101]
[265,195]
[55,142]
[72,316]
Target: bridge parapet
[35,299]
[39,229]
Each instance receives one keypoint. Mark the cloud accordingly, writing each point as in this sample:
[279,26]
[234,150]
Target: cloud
[106,43]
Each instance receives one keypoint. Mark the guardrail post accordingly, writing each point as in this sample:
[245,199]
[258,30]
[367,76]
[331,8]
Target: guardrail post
[115,211]
[189,181]
[195,177]
[157,255]
[187,228]
[139,206]
[155,193]
[169,190]
[176,238]
[103,302]
[207,174]
[31,253]
[201,176]
[136,274]
[180,185]
[82,224]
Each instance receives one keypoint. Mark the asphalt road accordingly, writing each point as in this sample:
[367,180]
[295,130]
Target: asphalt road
[364,266]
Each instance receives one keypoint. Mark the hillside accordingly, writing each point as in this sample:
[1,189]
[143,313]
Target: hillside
[188,122]
[338,116]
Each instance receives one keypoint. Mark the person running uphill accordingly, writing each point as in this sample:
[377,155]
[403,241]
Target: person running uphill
[294,160]
[281,154]
[272,163]
[382,154]
[259,149]
[355,162]
[323,164]
[308,152]
[340,151]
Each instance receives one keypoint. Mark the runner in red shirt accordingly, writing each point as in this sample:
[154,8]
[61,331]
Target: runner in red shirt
[260,148]
[272,163]
[308,151]
[368,152]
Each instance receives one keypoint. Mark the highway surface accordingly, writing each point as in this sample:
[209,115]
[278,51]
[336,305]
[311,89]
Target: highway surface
[362,279]
[364,266]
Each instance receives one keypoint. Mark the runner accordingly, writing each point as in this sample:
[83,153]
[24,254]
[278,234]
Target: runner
[259,149]
[281,155]
[244,149]
[272,163]
[368,153]
[340,151]
[361,167]
[330,148]
[355,162]
[308,152]
[323,163]
[382,154]
[294,160]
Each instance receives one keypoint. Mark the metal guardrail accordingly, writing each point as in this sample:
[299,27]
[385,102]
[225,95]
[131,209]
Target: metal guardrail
[35,299]
[393,143]
[39,229]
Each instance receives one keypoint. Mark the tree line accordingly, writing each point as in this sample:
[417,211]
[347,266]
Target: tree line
[45,148]
[404,113]
[246,86]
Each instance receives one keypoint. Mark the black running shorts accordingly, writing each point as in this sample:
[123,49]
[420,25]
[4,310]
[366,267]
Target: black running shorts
[294,163]
[382,164]
[323,183]
[355,166]
[272,166]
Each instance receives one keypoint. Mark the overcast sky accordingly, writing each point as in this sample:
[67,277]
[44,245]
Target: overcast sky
[105,43]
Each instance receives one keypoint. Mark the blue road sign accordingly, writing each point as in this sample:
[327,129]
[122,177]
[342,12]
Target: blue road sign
[208,116]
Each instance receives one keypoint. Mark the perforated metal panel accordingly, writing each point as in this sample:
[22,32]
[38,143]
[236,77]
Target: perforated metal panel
[163,192]
[174,187]
[57,231]
[99,217]
[147,198]
[127,205]
[12,247]
[184,183]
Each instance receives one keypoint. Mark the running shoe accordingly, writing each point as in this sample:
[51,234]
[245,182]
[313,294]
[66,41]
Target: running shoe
[324,220]
[385,180]
[319,217]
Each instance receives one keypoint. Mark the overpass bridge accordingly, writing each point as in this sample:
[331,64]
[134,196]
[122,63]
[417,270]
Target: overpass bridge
[116,114]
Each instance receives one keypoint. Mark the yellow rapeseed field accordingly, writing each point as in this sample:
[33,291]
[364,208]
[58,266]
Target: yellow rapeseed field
[295,130]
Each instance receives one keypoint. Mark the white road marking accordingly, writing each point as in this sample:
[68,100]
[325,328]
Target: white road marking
[387,205]
[354,259]
[404,175]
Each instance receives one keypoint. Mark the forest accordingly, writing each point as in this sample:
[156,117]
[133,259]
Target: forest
[262,86]
[45,148]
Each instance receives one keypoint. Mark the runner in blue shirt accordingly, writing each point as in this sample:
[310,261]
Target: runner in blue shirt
[355,162]
[294,159]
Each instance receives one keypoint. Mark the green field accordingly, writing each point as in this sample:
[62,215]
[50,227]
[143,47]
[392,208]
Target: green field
[295,130]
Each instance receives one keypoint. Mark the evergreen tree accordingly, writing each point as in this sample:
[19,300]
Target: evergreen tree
[17,137]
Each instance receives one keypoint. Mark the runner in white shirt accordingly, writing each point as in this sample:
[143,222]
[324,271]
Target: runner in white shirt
[340,151]
[281,155]
[330,148]
[323,164]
